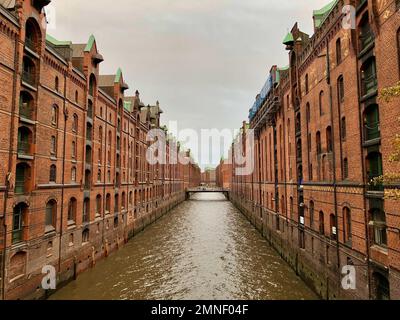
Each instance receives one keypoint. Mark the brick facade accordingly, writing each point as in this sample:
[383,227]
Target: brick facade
[321,135]
[74,180]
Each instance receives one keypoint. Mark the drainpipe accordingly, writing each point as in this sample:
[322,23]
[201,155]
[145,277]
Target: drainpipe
[10,157]
[334,159]
[63,172]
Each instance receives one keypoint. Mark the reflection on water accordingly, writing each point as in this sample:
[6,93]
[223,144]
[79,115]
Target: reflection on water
[203,249]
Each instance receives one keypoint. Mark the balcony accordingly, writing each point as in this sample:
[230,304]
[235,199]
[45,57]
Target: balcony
[28,78]
[372,131]
[24,148]
[366,40]
[369,85]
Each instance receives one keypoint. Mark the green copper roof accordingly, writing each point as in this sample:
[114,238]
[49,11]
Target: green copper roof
[118,76]
[288,39]
[128,106]
[56,42]
[321,14]
[90,43]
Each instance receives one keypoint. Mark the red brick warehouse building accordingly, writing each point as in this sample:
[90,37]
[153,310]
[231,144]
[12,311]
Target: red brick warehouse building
[322,134]
[74,180]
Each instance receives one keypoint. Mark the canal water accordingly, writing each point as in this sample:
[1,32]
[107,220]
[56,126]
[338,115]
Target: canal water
[203,249]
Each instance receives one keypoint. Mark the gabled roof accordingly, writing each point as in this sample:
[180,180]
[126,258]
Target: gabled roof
[90,43]
[321,14]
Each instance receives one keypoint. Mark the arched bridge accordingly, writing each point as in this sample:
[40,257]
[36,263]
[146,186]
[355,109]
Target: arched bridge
[191,191]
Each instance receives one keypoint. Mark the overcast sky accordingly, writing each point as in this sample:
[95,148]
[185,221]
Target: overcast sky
[204,60]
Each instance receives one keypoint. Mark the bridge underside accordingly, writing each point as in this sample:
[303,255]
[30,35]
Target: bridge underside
[190,192]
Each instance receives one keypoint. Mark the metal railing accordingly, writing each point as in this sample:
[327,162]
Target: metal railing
[24,147]
[370,84]
[366,38]
[372,130]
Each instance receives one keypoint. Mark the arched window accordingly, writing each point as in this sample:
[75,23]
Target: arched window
[321,223]
[340,88]
[54,115]
[53,173]
[343,128]
[24,141]
[108,203]
[333,228]
[338,51]
[329,142]
[347,225]
[85,236]
[72,207]
[53,146]
[92,85]
[321,103]
[51,213]
[374,165]
[73,174]
[366,35]
[75,123]
[86,211]
[57,84]
[116,203]
[76,96]
[318,143]
[98,205]
[123,201]
[32,35]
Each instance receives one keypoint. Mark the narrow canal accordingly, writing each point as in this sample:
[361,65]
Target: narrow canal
[203,249]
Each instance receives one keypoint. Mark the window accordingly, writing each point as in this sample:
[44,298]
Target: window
[75,124]
[318,142]
[379,222]
[54,115]
[57,84]
[333,228]
[347,225]
[98,205]
[345,168]
[343,128]
[86,211]
[366,35]
[108,203]
[338,51]
[340,88]
[372,129]
[51,210]
[85,236]
[53,173]
[18,218]
[321,103]
[53,147]
[369,82]
[72,206]
[374,167]
[76,96]
[73,174]
[321,223]
[329,142]
[99,175]
[381,286]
